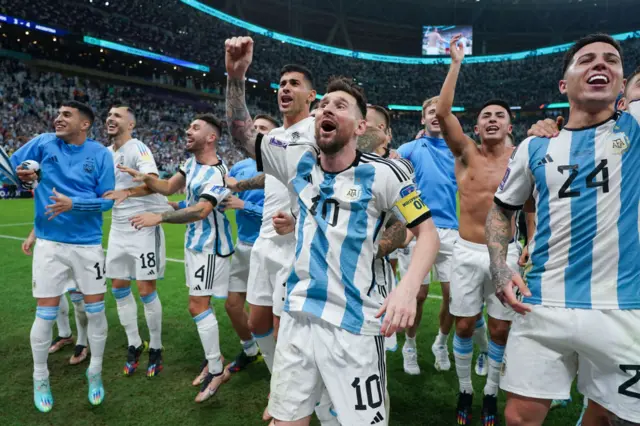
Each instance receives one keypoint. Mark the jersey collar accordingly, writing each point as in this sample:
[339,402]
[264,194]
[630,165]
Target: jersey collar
[355,163]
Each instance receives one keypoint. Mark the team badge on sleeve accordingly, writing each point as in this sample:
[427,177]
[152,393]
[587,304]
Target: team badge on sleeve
[504,179]
[410,207]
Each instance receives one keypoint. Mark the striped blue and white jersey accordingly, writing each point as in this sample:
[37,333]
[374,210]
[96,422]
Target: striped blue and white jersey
[586,185]
[340,219]
[212,234]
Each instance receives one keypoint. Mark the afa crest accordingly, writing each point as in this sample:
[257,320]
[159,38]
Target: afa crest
[89,165]
[618,143]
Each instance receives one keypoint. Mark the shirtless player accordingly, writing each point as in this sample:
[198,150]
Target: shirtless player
[479,170]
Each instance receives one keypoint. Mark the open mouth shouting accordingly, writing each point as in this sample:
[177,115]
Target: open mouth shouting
[598,80]
[286,101]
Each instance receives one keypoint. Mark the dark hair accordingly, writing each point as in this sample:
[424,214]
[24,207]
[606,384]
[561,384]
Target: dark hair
[382,111]
[83,108]
[268,118]
[121,104]
[212,120]
[344,84]
[298,68]
[498,102]
[585,41]
[633,75]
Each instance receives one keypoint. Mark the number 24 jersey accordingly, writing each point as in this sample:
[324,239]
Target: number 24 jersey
[586,185]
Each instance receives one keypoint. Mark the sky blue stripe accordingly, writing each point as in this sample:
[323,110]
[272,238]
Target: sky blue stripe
[317,292]
[260,336]
[305,166]
[628,238]
[202,315]
[206,226]
[462,345]
[94,308]
[538,148]
[149,297]
[496,352]
[76,297]
[480,322]
[584,216]
[352,247]
[120,293]
[227,233]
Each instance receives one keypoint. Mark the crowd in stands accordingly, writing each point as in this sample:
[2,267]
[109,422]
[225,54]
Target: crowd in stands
[174,28]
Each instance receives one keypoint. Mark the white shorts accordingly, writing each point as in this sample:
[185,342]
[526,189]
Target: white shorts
[136,254]
[444,259]
[312,354]
[271,263]
[206,274]
[58,267]
[385,283]
[471,284]
[239,274]
[548,346]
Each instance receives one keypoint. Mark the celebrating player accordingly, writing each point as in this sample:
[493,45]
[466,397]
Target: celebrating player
[583,281]
[478,172]
[76,172]
[135,254]
[208,244]
[248,206]
[329,318]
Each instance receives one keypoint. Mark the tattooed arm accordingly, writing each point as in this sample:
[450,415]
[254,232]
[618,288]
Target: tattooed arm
[186,215]
[238,57]
[256,182]
[392,238]
[498,234]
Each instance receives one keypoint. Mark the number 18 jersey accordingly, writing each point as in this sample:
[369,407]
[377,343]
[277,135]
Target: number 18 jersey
[586,185]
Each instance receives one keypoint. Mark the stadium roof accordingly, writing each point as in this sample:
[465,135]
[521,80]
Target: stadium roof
[394,27]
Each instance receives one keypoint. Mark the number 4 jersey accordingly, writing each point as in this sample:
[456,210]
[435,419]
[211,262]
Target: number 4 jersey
[586,185]
[340,218]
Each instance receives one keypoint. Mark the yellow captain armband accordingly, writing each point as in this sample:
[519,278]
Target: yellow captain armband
[410,209]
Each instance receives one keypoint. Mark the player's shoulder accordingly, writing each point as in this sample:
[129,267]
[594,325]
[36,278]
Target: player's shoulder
[44,138]
[400,169]
[246,163]
[406,148]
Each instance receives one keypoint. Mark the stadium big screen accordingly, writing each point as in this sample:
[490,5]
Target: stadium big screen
[435,39]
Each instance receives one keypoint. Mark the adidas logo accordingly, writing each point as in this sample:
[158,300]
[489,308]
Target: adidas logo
[547,159]
[151,272]
[377,419]
[198,288]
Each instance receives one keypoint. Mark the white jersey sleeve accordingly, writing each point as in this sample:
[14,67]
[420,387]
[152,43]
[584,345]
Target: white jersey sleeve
[215,194]
[145,162]
[634,109]
[518,181]
[400,194]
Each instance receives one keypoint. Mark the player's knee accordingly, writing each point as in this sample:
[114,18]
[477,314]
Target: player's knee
[146,288]
[197,306]
[233,303]
[499,330]
[465,326]
[513,416]
[422,295]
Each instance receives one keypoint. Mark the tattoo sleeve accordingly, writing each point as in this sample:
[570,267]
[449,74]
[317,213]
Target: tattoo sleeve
[239,120]
[256,182]
[392,238]
[498,234]
[188,215]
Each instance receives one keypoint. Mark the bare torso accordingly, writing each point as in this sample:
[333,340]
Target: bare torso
[477,184]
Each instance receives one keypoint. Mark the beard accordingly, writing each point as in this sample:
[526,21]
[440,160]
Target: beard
[332,145]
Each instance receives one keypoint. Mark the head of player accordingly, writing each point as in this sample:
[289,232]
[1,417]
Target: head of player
[264,123]
[295,93]
[592,77]
[631,90]
[378,135]
[429,119]
[203,134]
[340,118]
[73,122]
[121,121]
[494,123]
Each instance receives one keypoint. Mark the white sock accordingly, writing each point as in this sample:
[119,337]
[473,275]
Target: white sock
[409,343]
[64,329]
[97,331]
[41,335]
[442,338]
[128,314]
[153,314]
[463,354]
[81,318]
[480,336]
[267,345]
[496,353]
[207,325]
[250,347]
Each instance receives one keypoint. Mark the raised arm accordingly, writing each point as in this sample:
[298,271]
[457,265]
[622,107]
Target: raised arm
[238,57]
[452,132]
[256,182]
